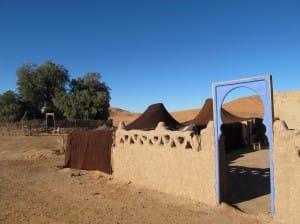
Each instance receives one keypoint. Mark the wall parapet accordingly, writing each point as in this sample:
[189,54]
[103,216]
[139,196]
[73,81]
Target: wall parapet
[161,137]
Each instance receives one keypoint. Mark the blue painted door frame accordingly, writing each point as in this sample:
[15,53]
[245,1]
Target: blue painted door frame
[262,85]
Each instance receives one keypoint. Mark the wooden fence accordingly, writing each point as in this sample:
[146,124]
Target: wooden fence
[39,125]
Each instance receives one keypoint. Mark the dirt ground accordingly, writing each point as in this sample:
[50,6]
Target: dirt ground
[34,190]
[249,180]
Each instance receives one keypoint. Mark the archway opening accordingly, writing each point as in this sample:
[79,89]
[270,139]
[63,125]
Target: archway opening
[244,152]
[50,121]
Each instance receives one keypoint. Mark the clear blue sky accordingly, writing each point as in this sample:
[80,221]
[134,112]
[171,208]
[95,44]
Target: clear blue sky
[151,51]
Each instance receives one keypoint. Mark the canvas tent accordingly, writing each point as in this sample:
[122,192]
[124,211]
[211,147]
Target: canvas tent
[235,129]
[154,114]
[206,114]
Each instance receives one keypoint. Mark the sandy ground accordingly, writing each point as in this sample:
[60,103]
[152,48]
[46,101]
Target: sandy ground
[249,181]
[34,190]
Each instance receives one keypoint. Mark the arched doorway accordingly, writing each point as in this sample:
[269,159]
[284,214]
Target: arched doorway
[246,171]
[49,122]
[262,85]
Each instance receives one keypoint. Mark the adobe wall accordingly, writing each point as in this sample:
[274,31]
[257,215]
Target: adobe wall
[286,154]
[287,106]
[174,162]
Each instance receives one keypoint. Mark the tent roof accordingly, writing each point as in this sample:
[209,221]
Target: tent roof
[206,114]
[154,114]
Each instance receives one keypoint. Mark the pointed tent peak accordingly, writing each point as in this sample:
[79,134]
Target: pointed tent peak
[157,107]
[208,101]
[156,104]
[154,114]
[205,114]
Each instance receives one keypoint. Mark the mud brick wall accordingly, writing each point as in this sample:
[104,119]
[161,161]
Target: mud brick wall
[286,173]
[175,162]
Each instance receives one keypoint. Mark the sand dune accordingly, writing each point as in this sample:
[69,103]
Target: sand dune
[286,107]
[251,106]
[118,115]
[185,115]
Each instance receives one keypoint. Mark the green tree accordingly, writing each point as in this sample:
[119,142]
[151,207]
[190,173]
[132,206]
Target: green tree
[10,107]
[88,98]
[38,85]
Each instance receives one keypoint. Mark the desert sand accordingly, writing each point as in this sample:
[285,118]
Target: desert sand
[35,189]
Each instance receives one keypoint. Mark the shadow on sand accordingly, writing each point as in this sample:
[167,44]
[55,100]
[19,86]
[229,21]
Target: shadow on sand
[245,183]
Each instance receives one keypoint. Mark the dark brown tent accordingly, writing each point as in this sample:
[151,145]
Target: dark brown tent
[228,117]
[232,128]
[206,114]
[154,114]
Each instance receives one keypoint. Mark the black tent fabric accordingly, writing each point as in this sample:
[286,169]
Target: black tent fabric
[232,128]
[206,114]
[233,133]
[154,114]
[228,117]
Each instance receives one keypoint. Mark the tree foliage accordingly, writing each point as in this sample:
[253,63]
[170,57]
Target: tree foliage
[47,88]
[38,85]
[88,98]
[10,107]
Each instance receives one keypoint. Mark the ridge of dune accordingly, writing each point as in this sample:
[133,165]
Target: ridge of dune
[118,115]
[250,106]
[185,115]
[286,107]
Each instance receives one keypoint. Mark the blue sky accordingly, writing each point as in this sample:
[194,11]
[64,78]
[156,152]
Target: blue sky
[151,51]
